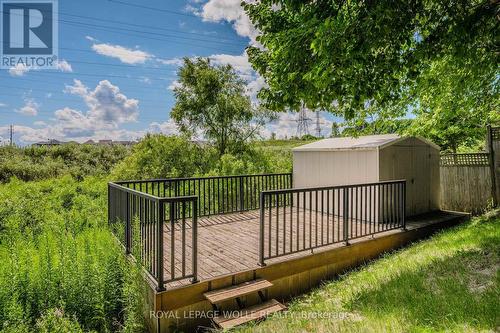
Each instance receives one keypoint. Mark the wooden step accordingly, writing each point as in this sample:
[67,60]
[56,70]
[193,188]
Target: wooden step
[255,312]
[236,291]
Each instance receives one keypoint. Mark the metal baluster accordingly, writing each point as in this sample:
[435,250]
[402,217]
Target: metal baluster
[261,230]
[346,215]
[194,239]
[183,214]
[172,240]
[159,254]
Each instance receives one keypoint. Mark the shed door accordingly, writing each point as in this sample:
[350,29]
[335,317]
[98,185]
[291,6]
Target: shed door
[419,184]
[410,162]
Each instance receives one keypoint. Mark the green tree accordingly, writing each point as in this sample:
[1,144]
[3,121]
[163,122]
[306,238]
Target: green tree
[336,132]
[356,59]
[160,156]
[453,105]
[378,126]
[211,99]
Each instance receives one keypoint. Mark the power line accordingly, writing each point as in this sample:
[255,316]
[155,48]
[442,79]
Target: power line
[142,26]
[71,61]
[145,34]
[58,82]
[156,9]
[93,25]
[102,76]
[124,23]
[137,66]
[50,91]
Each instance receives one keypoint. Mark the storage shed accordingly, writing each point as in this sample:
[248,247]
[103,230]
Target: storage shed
[373,158]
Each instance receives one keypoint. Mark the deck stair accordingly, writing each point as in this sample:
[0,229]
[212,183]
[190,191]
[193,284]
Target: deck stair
[245,314]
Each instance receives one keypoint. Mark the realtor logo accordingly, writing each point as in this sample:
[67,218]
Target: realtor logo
[29,33]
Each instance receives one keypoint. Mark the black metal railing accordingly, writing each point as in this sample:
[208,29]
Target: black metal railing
[156,220]
[218,194]
[148,226]
[301,219]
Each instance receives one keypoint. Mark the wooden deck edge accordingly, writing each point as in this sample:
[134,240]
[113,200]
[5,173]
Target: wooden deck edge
[334,261]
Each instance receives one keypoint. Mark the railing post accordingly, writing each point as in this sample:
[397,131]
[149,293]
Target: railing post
[242,195]
[404,206]
[128,224]
[159,243]
[261,230]
[194,238]
[491,160]
[346,215]
[109,204]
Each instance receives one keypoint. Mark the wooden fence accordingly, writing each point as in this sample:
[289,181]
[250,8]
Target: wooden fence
[469,182]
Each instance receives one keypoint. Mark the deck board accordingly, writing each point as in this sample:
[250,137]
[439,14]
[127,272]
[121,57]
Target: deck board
[229,243]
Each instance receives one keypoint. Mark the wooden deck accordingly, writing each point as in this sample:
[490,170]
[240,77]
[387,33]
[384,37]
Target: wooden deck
[229,244]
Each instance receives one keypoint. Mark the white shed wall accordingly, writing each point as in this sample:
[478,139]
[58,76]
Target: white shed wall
[418,163]
[330,168]
[410,159]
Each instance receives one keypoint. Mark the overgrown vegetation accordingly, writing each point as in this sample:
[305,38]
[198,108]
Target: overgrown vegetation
[450,283]
[61,269]
[159,156]
[36,163]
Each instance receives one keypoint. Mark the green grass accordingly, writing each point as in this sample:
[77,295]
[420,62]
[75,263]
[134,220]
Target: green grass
[449,282]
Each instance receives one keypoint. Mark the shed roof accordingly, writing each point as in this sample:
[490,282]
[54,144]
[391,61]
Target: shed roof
[363,142]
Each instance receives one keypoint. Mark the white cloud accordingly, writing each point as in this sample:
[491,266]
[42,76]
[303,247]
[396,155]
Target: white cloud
[18,70]
[21,69]
[192,9]
[107,109]
[106,103]
[230,11]
[243,67]
[239,62]
[2,105]
[64,66]
[286,125]
[174,85]
[125,55]
[254,86]
[66,128]
[168,127]
[30,107]
[171,62]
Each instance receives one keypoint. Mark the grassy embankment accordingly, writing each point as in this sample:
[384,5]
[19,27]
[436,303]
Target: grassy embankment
[450,282]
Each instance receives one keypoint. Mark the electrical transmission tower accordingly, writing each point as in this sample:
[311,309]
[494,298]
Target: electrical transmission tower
[303,123]
[318,127]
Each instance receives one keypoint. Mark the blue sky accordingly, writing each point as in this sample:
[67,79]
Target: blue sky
[118,62]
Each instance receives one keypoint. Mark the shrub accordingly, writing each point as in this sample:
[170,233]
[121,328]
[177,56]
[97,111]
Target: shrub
[36,163]
[159,156]
[55,321]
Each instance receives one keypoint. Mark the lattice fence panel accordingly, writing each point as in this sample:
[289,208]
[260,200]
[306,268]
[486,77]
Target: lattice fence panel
[467,159]
[495,133]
